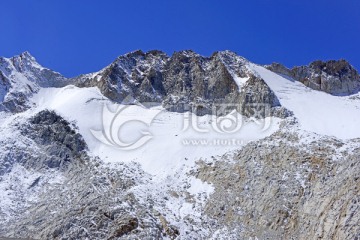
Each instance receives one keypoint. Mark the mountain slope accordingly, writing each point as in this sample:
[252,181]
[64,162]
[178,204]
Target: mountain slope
[177,147]
[20,77]
[334,77]
[183,82]
[316,111]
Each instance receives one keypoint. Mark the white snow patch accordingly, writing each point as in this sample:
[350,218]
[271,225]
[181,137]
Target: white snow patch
[240,81]
[316,111]
[197,186]
[167,151]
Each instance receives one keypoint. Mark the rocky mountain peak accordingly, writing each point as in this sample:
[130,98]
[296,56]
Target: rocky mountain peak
[136,58]
[184,79]
[135,54]
[239,176]
[335,67]
[140,55]
[185,53]
[336,77]
[20,77]
[24,61]
[27,55]
[225,53]
[156,53]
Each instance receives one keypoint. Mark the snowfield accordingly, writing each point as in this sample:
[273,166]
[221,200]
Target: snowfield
[176,139]
[316,111]
[173,142]
[191,172]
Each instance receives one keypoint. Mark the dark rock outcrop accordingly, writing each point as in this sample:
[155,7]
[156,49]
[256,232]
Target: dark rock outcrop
[183,82]
[135,75]
[334,77]
[70,195]
[60,145]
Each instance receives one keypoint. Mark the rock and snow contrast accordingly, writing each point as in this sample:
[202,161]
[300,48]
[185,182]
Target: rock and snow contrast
[180,147]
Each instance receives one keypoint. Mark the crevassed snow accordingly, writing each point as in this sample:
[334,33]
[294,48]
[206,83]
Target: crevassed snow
[316,111]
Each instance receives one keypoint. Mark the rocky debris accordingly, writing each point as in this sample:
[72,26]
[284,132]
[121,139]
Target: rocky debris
[334,77]
[170,230]
[279,188]
[57,139]
[92,202]
[125,227]
[290,185]
[57,191]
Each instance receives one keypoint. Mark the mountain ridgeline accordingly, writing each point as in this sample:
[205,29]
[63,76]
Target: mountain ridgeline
[66,171]
[185,81]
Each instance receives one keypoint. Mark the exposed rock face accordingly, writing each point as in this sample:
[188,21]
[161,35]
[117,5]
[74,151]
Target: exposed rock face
[258,99]
[279,189]
[290,185]
[334,77]
[58,192]
[26,64]
[280,69]
[275,188]
[136,75]
[58,142]
[185,81]
[195,83]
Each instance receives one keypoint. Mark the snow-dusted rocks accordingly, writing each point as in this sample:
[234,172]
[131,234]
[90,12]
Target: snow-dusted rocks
[316,111]
[284,188]
[20,77]
[277,159]
[135,75]
[183,82]
[334,77]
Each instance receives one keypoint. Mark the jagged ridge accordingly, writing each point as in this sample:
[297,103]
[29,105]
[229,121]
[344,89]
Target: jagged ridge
[185,81]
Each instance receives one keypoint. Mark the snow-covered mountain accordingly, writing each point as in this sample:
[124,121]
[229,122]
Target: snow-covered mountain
[180,147]
[20,77]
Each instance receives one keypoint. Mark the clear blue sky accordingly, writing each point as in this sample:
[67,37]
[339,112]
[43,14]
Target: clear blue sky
[77,36]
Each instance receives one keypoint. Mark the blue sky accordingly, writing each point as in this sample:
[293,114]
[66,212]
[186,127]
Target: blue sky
[75,37]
